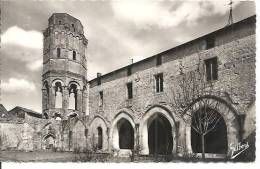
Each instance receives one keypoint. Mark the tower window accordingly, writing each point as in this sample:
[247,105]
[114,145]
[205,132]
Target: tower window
[129,71]
[101,98]
[60,22]
[58,52]
[211,69]
[210,42]
[129,90]
[74,55]
[159,83]
[158,60]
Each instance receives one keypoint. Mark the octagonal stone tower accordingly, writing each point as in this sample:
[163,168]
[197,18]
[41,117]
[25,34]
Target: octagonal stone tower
[64,77]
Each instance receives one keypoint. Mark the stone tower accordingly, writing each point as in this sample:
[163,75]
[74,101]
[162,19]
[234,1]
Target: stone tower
[64,76]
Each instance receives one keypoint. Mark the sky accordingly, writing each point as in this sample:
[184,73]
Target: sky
[117,31]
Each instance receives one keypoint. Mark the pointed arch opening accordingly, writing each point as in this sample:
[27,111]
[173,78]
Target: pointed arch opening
[160,139]
[126,134]
[123,133]
[215,139]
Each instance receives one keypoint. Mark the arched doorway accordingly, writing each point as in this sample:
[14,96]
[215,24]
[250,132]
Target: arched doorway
[215,141]
[98,133]
[158,132]
[226,134]
[160,139]
[123,134]
[126,134]
[49,142]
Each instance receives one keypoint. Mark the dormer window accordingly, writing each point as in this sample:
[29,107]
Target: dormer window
[210,42]
[129,71]
[158,60]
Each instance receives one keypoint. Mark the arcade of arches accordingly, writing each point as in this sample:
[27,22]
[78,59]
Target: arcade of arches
[157,133]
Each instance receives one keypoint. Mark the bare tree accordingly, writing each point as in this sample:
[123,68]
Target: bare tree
[189,99]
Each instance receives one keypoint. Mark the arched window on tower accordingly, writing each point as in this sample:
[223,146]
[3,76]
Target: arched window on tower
[74,55]
[58,95]
[58,52]
[100,138]
[73,97]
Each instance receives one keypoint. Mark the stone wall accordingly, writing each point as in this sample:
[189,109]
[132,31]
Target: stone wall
[235,51]
[65,33]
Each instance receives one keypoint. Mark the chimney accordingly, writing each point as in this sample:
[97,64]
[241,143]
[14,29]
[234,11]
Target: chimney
[99,74]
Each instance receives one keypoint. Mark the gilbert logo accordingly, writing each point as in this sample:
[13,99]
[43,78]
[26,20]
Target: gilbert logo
[237,149]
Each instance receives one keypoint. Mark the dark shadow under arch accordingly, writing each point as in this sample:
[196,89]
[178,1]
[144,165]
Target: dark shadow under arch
[160,140]
[126,134]
[100,138]
[215,141]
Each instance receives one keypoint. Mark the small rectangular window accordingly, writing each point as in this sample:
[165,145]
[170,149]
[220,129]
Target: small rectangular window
[210,42]
[101,98]
[129,71]
[211,69]
[158,60]
[58,52]
[129,90]
[74,55]
[159,83]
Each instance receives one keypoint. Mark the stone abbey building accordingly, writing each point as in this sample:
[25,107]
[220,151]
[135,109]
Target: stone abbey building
[131,109]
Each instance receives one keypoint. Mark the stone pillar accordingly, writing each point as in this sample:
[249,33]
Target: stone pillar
[108,139]
[137,138]
[175,132]
[52,97]
[65,100]
[79,100]
[84,99]
[45,99]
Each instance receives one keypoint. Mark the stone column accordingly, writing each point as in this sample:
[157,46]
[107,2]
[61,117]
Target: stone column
[137,143]
[84,99]
[52,97]
[108,139]
[79,100]
[65,100]
[175,136]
